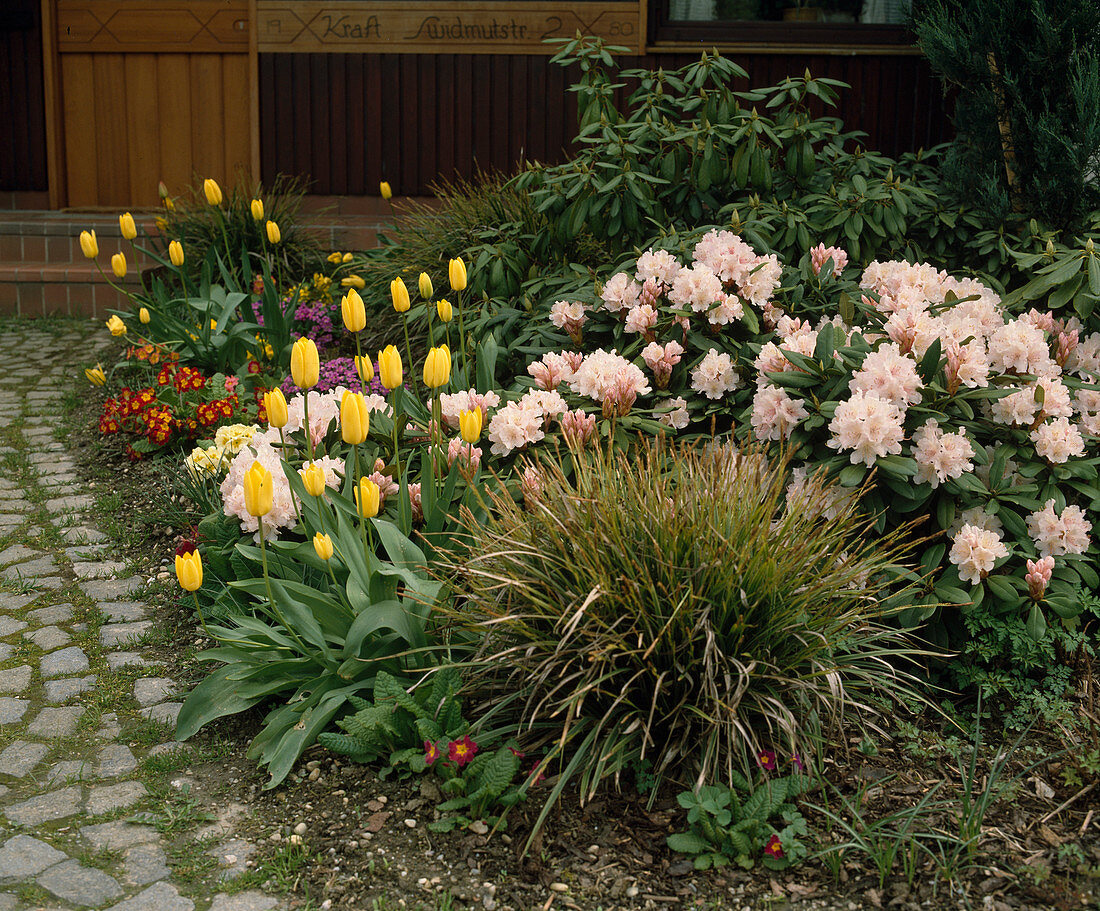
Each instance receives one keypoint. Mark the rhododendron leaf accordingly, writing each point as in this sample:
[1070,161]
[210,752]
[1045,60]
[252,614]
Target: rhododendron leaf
[1002,589]
[1065,607]
[1036,623]
[1088,575]
[952,595]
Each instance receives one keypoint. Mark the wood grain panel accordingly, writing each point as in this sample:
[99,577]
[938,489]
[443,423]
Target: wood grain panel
[236,92]
[174,120]
[23,162]
[111,139]
[81,159]
[185,26]
[142,124]
[207,117]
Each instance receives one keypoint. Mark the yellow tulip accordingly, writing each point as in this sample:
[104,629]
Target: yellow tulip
[126,226]
[275,406]
[354,281]
[162,189]
[258,490]
[389,367]
[213,191]
[354,418]
[118,265]
[355,314]
[469,425]
[347,258]
[189,570]
[425,285]
[175,253]
[323,545]
[257,207]
[88,244]
[313,477]
[305,366]
[169,206]
[456,271]
[161,224]
[437,367]
[444,309]
[143,315]
[273,234]
[364,368]
[117,326]
[95,375]
[400,295]
[335,258]
[367,497]
[384,189]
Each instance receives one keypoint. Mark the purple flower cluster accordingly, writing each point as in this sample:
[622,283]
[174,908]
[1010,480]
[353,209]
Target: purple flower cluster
[315,321]
[340,371]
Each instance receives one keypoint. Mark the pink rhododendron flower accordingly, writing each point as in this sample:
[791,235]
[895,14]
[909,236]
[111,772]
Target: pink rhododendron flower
[600,372]
[514,426]
[658,266]
[869,426]
[821,254]
[620,293]
[641,319]
[1058,441]
[1038,576]
[714,375]
[774,413]
[661,359]
[1056,535]
[890,375]
[940,456]
[679,417]
[578,428]
[975,551]
[569,316]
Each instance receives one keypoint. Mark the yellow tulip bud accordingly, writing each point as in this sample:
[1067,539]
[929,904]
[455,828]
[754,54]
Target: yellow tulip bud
[175,253]
[162,190]
[95,375]
[335,258]
[444,309]
[189,570]
[364,368]
[323,545]
[118,265]
[275,406]
[347,258]
[117,326]
[367,497]
[354,418]
[259,490]
[273,234]
[161,224]
[313,477]
[355,314]
[213,191]
[126,226]
[384,189]
[169,206]
[425,285]
[469,425]
[257,207]
[400,295]
[456,271]
[353,281]
[305,366]
[389,367]
[437,367]
[143,315]
[88,245]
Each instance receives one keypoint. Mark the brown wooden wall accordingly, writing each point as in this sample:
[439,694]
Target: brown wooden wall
[22,98]
[349,121]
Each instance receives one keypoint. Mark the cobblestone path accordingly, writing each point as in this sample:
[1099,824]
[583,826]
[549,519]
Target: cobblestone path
[83,714]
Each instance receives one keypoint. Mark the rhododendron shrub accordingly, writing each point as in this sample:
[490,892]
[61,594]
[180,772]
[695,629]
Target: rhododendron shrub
[917,388]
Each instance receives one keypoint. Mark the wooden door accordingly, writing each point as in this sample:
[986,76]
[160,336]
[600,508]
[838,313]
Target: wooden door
[149,90]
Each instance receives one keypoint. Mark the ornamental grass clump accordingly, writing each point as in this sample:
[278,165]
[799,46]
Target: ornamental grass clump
[672,609]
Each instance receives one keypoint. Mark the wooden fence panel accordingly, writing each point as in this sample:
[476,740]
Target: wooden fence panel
[411,119]
[22,103]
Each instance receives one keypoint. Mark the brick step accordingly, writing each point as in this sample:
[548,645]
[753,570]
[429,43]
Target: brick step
[59,289]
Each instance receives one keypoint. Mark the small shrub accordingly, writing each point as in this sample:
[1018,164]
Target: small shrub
[667,605]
